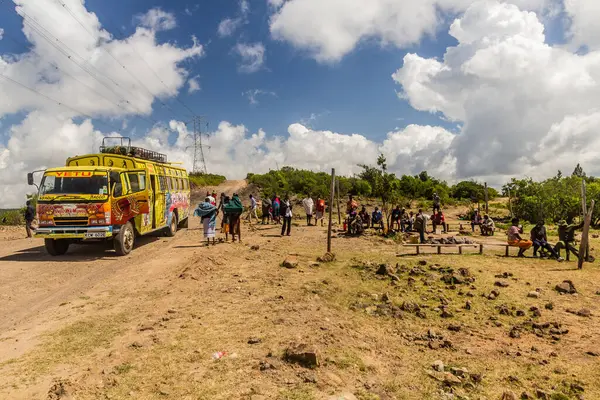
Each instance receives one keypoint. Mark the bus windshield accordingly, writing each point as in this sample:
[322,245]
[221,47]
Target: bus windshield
[75,183]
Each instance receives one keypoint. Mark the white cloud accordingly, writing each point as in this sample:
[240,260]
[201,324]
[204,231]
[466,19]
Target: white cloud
[157,20]
[50,133]
[252,95]
[194,84]
[252,56]
[228,26]
[584,29]
[330,29]
[1,33]
[527,108]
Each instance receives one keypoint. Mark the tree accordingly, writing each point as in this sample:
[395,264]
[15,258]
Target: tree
[578,172]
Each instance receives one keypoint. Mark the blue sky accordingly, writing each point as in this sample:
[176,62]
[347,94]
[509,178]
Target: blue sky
[355,95]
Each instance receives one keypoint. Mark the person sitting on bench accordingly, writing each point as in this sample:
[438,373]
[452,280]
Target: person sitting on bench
[377,219]
[540,240]
[364,216]
[515,239]
[438,219]
[487,226]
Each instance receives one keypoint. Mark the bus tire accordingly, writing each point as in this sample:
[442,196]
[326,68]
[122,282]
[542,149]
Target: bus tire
[172,228]
[56,247]
[125,240]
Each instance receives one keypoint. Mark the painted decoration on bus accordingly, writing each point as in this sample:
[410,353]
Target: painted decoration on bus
[179,201]
[128,207]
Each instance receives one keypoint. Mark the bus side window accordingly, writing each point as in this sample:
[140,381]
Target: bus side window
[142,181]
[115,184]
[134,181]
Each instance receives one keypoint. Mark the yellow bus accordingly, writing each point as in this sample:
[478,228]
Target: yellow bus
[118,194]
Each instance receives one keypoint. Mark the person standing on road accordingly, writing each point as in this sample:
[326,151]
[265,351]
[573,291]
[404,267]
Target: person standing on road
[29,217]
[252,212]
[308,205]
[208,216]
[286,212]
[266,210]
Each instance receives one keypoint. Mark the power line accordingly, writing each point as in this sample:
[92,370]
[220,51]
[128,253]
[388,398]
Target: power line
[83,68]
[116,60]
[56,101]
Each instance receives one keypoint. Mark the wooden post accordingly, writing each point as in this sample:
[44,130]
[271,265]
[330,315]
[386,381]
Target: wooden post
[487,209]
[459,249]
[337,184]
[506,254]
[480,248]
[330,209]
[584,213]
[439,248]
[584,235]
[510,204]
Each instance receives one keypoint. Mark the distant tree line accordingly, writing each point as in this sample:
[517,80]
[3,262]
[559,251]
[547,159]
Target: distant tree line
[372,181]
[553,199]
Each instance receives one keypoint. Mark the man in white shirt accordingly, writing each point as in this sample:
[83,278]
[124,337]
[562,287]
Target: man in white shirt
[308,205]
[253,207]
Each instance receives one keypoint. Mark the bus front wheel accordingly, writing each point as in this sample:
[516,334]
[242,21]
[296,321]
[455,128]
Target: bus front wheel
[56,247]
[124,240]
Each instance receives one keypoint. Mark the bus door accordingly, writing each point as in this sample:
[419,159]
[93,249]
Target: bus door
[160,192]
[139,197]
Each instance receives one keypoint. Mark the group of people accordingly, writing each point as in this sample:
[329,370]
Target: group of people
[208,211]
[486,224]
[539,239]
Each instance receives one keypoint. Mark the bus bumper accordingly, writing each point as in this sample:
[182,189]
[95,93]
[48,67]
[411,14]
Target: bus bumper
[74,232]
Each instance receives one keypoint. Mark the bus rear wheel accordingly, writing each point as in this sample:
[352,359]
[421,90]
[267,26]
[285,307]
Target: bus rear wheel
[56,247]
[125,240]
[172,228]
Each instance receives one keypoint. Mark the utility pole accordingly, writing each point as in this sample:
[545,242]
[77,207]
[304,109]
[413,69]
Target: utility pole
[199,163]
[331,197]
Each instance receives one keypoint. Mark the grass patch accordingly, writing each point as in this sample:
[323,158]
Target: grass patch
[296,394]
[74,341]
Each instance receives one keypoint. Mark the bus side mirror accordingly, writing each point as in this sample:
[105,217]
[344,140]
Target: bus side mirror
[30,179]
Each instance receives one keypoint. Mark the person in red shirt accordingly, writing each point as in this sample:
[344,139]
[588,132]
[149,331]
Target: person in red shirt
[320,211]
[439,220]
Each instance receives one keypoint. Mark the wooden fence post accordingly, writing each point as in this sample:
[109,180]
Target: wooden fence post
[330,209]
[584,235]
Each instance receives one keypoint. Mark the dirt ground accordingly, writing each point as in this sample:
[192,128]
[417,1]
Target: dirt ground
[90,325]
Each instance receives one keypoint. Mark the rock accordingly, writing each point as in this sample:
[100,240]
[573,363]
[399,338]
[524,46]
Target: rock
[265,366]
[58,391]
[254,340]
[514,333]
[255,247]
[493,295]
[438,365]
[445,377]
[446,314]
[386,297]
[526,396]
[501,284]
[302,354]
[584,312]
[468,305]
[326,258]
[520,313]
[460,372]
[454,328]
[290,262]
[549,306]
[566,287]
[535,312]
[540,394]
[508,396]
[136,345]
[593,353]
[385,269]
[422,262]
[533,295]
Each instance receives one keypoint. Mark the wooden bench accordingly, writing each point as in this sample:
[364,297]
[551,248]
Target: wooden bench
[460,246]
[440,246]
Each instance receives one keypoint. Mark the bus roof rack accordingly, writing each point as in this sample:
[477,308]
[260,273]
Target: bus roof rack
[125,148]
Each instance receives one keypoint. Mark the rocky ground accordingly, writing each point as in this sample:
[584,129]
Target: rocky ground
[276,318]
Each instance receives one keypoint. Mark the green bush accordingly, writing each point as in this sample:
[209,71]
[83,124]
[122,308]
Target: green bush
[12,217]
[201,180]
